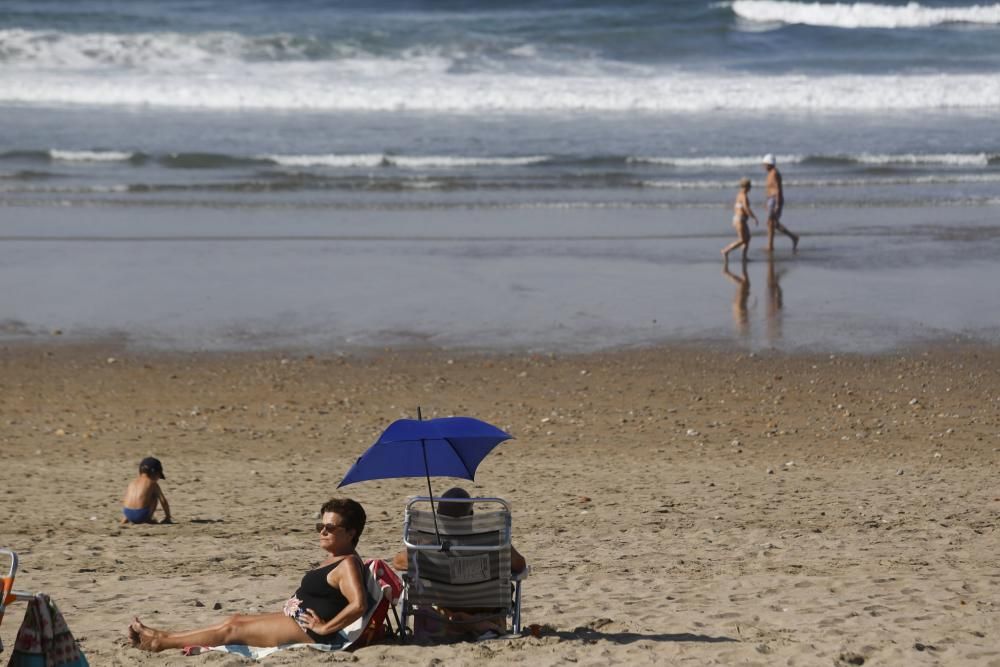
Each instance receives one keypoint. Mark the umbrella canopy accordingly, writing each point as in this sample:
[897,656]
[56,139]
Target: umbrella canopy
[445,447]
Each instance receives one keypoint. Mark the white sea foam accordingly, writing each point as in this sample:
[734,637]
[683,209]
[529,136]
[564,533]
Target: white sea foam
[213,53]
[689,185]
[339,161]
[869,181]
[422,185]
[713,161]
[402,161]
[228,71]
[727,161]
[314,87]
[863,14]
[446,162]
[866,182]
[951,159]
[90,156]
[51,48]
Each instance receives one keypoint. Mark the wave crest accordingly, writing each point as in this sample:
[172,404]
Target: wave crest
[863,14]
[311,87]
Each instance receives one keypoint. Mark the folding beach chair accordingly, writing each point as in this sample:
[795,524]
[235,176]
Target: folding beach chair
[7,593]
[384,592]
[460,586]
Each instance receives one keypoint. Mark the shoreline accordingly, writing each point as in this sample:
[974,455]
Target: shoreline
[116,349]
[546,281]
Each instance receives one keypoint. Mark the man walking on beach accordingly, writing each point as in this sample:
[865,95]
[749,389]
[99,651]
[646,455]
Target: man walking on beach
[775,202]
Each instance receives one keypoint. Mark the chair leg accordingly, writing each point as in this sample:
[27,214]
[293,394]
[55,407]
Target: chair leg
[402,621]
[399,627]
[516,612]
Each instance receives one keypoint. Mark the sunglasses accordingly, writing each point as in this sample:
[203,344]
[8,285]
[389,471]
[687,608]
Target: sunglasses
[330,528]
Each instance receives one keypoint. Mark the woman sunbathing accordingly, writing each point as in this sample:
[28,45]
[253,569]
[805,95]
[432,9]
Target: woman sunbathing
[330,598]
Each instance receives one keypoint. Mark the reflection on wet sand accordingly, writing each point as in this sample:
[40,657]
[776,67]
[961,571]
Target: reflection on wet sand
[741,317]
[741,299]
[774,301]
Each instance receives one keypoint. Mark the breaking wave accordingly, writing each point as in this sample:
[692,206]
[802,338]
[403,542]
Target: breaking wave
[863,14]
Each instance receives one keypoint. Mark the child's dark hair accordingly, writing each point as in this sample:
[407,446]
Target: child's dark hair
[151,466]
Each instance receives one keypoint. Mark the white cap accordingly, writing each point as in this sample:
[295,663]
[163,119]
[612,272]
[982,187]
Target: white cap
[768,160]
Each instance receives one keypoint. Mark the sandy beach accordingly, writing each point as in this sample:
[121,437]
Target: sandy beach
[244,238]
[678,505]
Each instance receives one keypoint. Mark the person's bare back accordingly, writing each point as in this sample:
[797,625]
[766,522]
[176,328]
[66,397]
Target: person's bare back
[143,494]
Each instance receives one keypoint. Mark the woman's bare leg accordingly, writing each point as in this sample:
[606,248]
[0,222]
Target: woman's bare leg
[258,630]
[744,241]
[732,246]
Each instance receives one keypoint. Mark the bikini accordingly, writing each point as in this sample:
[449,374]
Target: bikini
[739,214]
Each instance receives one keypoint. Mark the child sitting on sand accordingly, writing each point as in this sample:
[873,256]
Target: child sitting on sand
[143,494]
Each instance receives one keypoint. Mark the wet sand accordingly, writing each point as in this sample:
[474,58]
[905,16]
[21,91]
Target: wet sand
[678,504]
[542,278]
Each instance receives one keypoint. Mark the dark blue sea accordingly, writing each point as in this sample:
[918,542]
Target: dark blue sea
[496,103]
[493,134]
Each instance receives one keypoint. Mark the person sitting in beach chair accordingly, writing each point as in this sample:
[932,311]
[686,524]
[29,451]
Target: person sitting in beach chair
[463,576]
[458,509]
[332,606]
[143,494]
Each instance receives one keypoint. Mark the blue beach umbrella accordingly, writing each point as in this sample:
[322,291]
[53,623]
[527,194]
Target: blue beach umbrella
[445,447]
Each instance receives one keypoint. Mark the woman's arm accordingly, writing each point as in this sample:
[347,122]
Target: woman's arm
[746,207]
[350,581]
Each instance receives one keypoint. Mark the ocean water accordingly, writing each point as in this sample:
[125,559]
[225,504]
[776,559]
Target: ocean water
[388,102]
[397,113]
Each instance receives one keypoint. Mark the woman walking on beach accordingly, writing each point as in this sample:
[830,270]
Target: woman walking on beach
[330,598]
[741,211]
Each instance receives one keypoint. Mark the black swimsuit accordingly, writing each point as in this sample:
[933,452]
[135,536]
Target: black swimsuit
[323,599]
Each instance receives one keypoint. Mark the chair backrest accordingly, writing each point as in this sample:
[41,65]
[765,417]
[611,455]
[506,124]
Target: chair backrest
[7,595]
[470,566]
[379,590]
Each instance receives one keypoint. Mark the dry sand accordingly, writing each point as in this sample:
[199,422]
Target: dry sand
[678,505]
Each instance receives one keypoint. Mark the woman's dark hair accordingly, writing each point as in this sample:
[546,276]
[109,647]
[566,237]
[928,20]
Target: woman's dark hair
[352,514]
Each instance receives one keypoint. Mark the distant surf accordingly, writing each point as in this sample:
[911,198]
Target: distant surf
[312,88]
[514,70]
[864,14]
[187,160]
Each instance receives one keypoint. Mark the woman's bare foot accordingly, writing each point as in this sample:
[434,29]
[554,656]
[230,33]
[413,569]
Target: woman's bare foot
[143,637]
[133,635]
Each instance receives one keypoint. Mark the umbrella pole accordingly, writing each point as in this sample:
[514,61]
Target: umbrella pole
[430,493]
